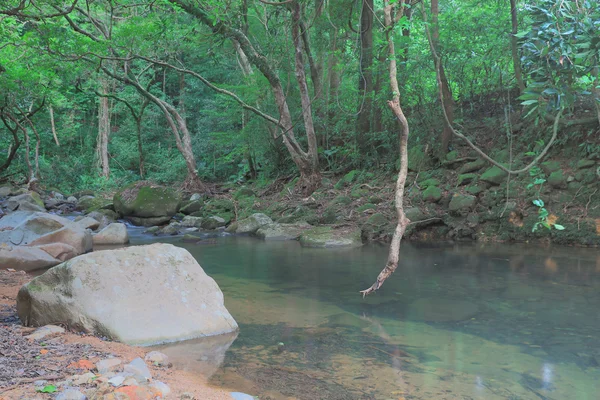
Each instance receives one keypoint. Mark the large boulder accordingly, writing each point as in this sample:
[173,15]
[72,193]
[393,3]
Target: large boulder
[330,237]
[115,233]
[26,202]
[146,201]
[30,241]
[152,221]
[253,223]
[141,295]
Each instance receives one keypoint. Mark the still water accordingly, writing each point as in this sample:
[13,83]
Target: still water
[466,321]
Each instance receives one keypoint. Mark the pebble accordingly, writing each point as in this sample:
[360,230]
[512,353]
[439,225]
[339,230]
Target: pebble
[108,365]
[157,358]
[187,396]
[241,396]
[71,394]
[44,331]
[138,369]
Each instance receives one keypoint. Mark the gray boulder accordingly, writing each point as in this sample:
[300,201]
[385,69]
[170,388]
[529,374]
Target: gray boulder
[191,222]
[331,237]
[253,223]
[213,223]
[115,233]
[149,221]
[146,201]
[26,202]
[141,295]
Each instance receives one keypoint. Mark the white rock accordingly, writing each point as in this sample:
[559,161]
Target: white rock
[108,365]
[117,380]
[44,331]
[72,199]
[195,196]
[115,233]
[71,394]
[161,387]
[241,396]
[138,369]
[157,358]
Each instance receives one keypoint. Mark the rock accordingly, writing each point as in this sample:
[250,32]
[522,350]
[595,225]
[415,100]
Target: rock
[474,190]
[171,229]
[60,251]
[187,396]
[24,258]
[417,159]
[437,309]
[115,233]
[45,331]
[366,207]
[71,394]
[550,166]
[277,231]
[108,365]
[213,222]
[328,237]
[117,381]
[343,200]
[71,199]
[139,295]
[87,223]
[241,396]
[347,179]
[429,182]
[462,203]
[86,202]
[157,358]
[582,164]
[138,369]
[253,223]
[195,197]
[140,200]
[153,229]
[104,217]
[82,379]
[5,191]
[432,194]
[377,220]
[26,202]
[160,387]
[557,179]
[244,192]
[153,221]
[464,179]
[472,166]
[414,214]
[192,206]
[494,175]
[189,221]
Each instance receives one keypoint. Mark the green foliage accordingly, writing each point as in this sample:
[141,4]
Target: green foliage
[544,218]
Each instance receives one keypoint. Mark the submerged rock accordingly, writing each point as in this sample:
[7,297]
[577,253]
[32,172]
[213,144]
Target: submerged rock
[139,295]
[437,309]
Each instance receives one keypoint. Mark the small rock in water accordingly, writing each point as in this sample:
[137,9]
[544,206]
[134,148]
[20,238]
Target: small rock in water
[163,388]
[157,358]
[44,331]
[71,394]
[108,365]
[117,380]
[138,369]
[241,396]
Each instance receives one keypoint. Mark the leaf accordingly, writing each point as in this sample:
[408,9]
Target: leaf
[529,102]
[559,227]
[538,202]
[48,389]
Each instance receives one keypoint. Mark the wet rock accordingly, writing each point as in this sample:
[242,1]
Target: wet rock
[153,221]
[115,233]
[71,394]
[139,295]
[278,231]
[189,221]
[329,237]
[157,358]
[253,223]
[213,222]
[494,176]
[437,309]
[45,331]
[432,194]
[171,229]
[153,230]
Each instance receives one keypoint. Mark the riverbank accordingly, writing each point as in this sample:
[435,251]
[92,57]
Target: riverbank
[69,359]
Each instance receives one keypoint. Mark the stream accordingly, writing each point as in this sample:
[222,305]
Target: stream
[455,321]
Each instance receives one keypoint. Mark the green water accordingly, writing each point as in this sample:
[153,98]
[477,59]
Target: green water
[454,322]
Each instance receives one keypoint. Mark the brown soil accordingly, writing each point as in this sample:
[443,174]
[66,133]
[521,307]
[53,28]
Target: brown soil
[23,361]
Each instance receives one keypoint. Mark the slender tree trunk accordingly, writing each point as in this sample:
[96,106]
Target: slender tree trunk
[394,104]
[596,90]
[103,129]
[12,151]
[53,126]
[514,46]
[365,74]
[138,126]
[448,101]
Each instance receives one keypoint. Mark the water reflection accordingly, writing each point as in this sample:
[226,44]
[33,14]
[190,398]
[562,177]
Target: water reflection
[455,321]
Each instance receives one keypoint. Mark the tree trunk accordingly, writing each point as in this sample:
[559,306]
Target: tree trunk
[138,126]
[53,126]
[103,130]
[596,90]
[514,46]
[365,74]
[448,101]
[394,104]
[12,152]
